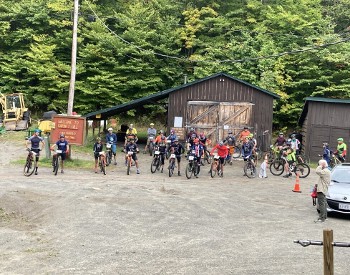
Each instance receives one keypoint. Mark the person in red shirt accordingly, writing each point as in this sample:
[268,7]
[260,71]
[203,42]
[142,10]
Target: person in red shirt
[245,133]
[222,151]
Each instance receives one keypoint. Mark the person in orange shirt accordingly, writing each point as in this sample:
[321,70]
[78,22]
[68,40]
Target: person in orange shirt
[159,137]
[245,133]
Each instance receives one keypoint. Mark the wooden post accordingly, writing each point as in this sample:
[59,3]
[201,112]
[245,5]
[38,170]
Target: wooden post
[328,261]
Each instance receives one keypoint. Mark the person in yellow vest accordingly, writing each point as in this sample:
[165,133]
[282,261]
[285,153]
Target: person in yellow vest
[131,133]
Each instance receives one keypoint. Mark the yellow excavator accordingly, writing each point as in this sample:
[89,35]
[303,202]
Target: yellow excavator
[15,115]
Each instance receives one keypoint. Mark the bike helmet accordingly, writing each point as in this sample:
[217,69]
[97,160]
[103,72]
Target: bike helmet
[98,139]
[192,129]
[251,135]
[230,132]
[131,126]
[201,134]
[36,131]
[151,124]
[196,140]
[163,138]
[281,134]
[160,132]
[325,144]
[221,143]
[193,136]
[293,136]
[176,140]
[172,131]
[110,129]
[340,139]
[61,135]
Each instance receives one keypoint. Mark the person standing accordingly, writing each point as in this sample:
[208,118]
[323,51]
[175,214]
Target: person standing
[151,134]
[35,141]
[112,139]
[244,134]
[322,188]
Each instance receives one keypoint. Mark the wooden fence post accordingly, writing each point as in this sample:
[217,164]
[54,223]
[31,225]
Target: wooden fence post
[328,260]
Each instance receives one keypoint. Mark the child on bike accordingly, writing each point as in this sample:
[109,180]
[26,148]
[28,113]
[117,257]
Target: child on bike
[112,139]
[197,150]
[177,149]
[132,147]
[98,147]
[162,147]
[222,152]
[290,157]
[61,144]
[35,141]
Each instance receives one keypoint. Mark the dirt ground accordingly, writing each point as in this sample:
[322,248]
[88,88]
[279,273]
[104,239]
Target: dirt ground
[85,223]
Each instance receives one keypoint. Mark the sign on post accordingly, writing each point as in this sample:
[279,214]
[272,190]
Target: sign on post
[72,127]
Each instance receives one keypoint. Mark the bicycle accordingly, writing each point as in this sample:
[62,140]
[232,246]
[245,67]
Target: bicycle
[334,161]
[30,165]
[109,153]
[206,156]
[156,163]
[172,164]
[151,146]
[237,150]
[216,167]
[102,162]
[56,161]
[167,150]
[249,167]
[192,166]
[277,168]
[129,162]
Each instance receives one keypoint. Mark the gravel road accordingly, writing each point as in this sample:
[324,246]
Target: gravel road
[85,223]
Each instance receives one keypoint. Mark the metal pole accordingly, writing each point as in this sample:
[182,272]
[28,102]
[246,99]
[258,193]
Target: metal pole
[74,58]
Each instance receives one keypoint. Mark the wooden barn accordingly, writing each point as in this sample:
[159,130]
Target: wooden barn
[324,120]
[214,105]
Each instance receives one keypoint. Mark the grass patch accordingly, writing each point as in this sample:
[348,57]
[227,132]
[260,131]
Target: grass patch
[68,163]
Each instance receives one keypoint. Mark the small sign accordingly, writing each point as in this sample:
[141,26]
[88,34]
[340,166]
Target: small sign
[178,122]
[180,132]
[72,127]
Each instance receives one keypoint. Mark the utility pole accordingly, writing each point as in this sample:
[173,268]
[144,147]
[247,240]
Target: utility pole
[74,58]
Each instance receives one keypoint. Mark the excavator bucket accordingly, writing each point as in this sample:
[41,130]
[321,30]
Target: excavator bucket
[22,125]
[10,126]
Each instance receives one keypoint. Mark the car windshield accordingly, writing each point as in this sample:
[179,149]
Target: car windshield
[341,174]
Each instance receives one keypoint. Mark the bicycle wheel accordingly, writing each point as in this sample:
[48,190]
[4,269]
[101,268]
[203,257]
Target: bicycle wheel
[277,167]
[249,170]
[189,170]
[56,163]
[171,167]
[128,166]
[207,156]
[237,152]
[259,153]
[302,169]
[213,169]
[154,165]
[29,167]
[103,166]
[150,148]
[108,158]
[196,169]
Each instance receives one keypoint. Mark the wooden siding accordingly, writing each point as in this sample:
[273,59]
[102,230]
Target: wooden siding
[325,122]
[223,89]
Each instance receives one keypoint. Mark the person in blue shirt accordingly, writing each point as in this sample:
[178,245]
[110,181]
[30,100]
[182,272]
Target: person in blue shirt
[111,138]
[197,150]
[326,153]
[35,141]
[247,148]
[61,144]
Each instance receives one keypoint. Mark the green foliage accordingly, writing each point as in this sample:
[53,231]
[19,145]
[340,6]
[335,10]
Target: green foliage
[138,47]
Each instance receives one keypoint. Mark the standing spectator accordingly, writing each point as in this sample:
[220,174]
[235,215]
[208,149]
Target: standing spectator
[245,133]
[35,141]
[326,153]
[322,188]
[295,144]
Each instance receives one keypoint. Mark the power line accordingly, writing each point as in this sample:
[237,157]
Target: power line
[247,59]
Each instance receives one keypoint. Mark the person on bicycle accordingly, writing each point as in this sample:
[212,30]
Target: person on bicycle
[243,134]
[197,148]
[202,140]
[230,141]
[254,143]
[162,145]
[291,158]
[132,147]
[247,149]
[326,155]
[61,144]
[341,150]
[131,133]
[295,144]
[112,139]
[37,144]
[172,136]
[177,149]
[222,150]
[98,147]
[280,141]
[151,133]
[159,137]
[190,134]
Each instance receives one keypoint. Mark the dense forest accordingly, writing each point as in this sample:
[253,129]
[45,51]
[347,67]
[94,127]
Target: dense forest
[128,49]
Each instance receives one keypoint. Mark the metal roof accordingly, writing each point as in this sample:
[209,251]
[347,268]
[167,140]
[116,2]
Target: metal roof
[108,112]
[319,99]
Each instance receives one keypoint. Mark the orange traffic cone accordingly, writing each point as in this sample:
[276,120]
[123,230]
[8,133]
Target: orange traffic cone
[297,185]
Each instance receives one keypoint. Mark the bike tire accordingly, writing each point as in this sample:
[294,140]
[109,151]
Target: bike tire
[259,153]
[154,165]
[302,169]
[189,170]
[249,170]
[277,167]
[108,158]
[150,149]
[29,167]
[103,166]
[171,167]
[237,152]
[56,165]
[213,169]
[128,166]
[207,157]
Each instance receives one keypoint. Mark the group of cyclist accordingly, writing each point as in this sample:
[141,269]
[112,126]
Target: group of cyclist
[340,152]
